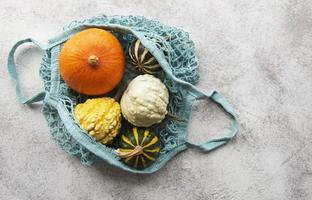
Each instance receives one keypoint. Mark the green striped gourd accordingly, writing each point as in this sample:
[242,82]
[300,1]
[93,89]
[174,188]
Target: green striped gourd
[139,147]
[142,59]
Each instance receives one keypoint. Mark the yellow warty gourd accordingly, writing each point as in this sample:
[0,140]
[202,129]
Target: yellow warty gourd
[100,117]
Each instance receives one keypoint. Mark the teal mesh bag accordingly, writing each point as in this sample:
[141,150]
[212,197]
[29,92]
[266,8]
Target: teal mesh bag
[174,51]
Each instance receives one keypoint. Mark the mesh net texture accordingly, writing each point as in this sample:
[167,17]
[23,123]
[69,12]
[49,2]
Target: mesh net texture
[179,53]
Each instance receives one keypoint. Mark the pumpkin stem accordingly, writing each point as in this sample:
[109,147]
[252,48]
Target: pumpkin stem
[93,60]
[138,150]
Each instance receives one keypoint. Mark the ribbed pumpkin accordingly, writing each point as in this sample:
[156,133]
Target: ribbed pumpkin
[92,62]
[142,59]
[100,117]
[139,147]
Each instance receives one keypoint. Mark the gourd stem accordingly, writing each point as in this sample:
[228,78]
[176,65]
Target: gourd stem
[93,60]
[138,150]
[176,118]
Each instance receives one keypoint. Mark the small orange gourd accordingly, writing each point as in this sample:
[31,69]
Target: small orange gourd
[92,62]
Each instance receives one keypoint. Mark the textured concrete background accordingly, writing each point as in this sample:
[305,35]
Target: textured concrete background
[256,52]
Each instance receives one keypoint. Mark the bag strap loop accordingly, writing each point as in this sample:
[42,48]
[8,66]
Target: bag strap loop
[13,73]
[217,98]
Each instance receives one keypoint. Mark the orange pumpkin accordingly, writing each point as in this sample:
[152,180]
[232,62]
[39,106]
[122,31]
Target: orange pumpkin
[92,62]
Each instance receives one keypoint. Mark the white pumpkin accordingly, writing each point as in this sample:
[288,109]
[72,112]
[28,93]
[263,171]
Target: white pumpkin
[145,101]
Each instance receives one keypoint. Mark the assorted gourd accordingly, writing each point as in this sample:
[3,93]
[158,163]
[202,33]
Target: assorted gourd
[101,117]
[144,102]
[92,62]
[139,147]
[142,59]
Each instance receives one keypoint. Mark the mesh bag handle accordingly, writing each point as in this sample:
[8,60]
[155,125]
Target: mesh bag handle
[217,98]
[14,76]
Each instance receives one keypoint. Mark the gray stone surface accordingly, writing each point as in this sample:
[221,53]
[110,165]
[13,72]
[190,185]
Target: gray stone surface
[256,52]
